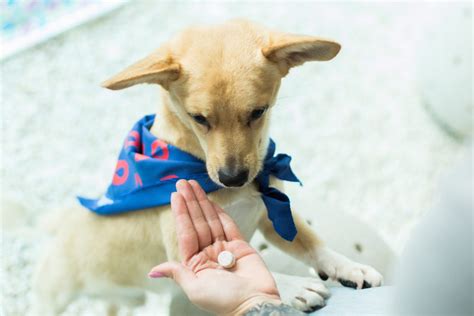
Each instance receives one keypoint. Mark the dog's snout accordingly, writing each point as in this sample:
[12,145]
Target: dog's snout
[233,178]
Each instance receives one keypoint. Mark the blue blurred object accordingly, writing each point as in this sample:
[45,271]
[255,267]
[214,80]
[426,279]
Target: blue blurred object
[25,23]
[345,301]
[21,17]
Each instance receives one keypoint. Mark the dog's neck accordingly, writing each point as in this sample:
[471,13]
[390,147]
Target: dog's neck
[169,127]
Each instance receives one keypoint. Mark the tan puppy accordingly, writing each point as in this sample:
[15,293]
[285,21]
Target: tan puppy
[219,85]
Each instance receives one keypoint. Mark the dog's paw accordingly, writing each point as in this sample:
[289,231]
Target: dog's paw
[304,294]
[332,265]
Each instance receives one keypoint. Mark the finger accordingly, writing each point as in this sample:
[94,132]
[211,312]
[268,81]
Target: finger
[209,212]
[187,236]
[197,264]
[231,230]
[174,270]
[197,217]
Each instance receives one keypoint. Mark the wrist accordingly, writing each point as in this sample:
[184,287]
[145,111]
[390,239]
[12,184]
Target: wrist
[254,301]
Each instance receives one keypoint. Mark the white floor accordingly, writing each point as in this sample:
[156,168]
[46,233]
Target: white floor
[360,139]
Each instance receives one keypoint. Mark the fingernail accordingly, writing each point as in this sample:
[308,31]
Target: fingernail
[155,275]
[180,183]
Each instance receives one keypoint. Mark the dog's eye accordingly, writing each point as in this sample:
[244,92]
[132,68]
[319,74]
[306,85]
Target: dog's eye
[256,114]
[200,119]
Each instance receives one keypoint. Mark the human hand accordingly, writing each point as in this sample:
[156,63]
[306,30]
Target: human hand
[204,230]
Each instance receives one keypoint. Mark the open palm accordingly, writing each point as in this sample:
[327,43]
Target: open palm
[204,230]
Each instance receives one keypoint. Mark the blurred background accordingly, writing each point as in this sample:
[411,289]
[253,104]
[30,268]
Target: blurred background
[371,132]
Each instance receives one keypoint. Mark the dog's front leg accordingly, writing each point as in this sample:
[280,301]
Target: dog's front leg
[309,248]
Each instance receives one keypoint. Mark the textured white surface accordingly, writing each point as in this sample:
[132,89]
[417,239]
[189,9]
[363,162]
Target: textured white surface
[360,139]
[446,53]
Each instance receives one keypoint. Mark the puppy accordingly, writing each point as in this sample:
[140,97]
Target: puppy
[219,85]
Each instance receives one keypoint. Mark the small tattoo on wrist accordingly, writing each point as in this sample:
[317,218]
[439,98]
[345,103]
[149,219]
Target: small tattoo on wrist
[270,309]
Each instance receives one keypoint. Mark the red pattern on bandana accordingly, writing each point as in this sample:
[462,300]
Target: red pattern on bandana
[120,179]
[159,144]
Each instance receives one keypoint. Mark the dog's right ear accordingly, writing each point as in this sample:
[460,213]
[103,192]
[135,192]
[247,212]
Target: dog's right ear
[152,69]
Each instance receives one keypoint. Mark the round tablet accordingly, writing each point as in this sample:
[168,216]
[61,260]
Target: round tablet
[226,259]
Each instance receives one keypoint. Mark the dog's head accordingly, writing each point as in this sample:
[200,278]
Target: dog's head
[222,82]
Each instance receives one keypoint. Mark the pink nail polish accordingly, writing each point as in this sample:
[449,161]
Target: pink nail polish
[155,275]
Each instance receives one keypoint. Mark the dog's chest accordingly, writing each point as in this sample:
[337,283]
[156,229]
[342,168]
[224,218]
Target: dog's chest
[244,205]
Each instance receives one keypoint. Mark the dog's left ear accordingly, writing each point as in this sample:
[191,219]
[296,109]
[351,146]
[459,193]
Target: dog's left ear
[289,50]
[154,68]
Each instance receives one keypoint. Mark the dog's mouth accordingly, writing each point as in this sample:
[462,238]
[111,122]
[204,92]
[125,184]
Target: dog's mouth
[234,178]
[237,179]
[234,175]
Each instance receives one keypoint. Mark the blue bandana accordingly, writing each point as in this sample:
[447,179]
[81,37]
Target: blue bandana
[148,168]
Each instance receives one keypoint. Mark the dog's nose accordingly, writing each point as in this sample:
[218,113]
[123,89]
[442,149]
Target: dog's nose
[233,178]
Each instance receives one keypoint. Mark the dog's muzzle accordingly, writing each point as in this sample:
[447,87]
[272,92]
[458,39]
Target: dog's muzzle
[235,178]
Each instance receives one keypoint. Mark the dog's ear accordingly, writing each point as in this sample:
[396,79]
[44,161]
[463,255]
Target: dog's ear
[289,50]
[152,69]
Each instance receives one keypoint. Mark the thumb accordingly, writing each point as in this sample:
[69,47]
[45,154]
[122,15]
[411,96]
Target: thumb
[174,270]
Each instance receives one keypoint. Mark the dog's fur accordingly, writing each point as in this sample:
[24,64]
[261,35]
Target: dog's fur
[222,73]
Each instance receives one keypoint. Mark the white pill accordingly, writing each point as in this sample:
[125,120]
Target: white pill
[226,259]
